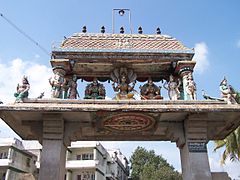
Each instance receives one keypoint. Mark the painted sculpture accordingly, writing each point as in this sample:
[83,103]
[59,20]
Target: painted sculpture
[227,92]
[191,87]
[58,83]
[173,88]
[22,90]
[95,90]
[73,92]
[123,83]
[150,90]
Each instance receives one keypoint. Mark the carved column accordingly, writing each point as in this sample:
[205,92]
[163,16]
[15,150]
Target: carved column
[183,69]
[53,157]
[194,157]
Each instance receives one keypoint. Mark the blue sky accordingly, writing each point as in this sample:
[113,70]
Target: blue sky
[211,27]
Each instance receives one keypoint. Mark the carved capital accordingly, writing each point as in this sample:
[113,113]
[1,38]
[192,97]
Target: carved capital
[196,128]
[53,126]
[184,67]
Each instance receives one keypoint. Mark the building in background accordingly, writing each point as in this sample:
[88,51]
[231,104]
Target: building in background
[15,161]
[88,160]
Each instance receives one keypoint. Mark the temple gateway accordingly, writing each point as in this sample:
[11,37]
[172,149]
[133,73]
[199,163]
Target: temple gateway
[123,60]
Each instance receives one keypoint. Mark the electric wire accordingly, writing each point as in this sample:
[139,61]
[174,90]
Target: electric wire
[24,34]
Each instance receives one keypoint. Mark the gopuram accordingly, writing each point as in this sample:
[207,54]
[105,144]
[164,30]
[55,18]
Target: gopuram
[122,60]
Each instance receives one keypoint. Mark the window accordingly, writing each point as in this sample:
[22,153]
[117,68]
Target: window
[79,157]
[79,177]
[3,155]
[87,156]
[92,176]
[86,176]
[28,162]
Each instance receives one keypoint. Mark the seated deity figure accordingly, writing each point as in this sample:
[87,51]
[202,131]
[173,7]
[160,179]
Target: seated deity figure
[95,90]
[58,83]
[227,92]
[123,88]
[123,83]
[191,87]
[173,88]
[73,92]
[150,90]
[22,90]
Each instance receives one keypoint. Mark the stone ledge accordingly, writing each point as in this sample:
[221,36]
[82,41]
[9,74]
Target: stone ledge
[97,101]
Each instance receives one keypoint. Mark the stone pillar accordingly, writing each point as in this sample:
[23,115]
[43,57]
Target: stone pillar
[194,160]
[194,157]
[183,69]
[53,157]
[184,84]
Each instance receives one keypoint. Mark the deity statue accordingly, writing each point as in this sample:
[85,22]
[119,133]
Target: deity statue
[123,77]
[227,92]
[73,92]
[22,90]
[58,83]
[173,88]
[150,90]
[95,90]
[191,87]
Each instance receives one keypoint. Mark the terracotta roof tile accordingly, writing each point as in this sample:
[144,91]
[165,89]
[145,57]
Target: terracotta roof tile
[87,41]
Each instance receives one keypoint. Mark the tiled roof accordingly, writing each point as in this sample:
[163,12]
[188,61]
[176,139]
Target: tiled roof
[133,42]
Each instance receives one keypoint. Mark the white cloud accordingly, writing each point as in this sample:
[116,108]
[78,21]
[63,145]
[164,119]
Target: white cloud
[201,57]
[11,74]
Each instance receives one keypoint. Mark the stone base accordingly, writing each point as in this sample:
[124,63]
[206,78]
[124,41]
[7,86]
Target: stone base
[220,176]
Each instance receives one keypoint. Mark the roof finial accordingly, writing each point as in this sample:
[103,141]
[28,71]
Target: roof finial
[140,31]
[158,31]
[121,30]
[84,29]
[102,29]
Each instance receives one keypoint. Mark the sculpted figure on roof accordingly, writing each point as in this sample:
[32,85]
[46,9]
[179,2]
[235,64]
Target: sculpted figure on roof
[150,90]
[95,90]
[123,83]
[58,83]
[173,88]
[22,90]
[227,92]
[191,87]
[73,92]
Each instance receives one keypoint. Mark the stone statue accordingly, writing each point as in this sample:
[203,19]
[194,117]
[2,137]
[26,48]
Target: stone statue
[227,92]
[173,88]
[22,90]
[58,83]
[191,87]
[73,92]
[123,77]
[95,90]
[150,90]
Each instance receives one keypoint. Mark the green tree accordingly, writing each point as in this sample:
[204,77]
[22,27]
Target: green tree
[232,146]
[146,165]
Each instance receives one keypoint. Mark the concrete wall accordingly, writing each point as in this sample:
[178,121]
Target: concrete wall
[23,162]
